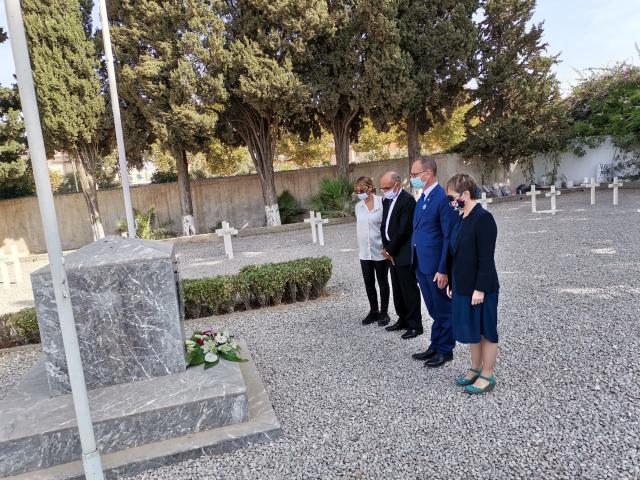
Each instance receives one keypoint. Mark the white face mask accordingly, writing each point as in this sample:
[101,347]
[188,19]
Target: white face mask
[390,194]
[363,196]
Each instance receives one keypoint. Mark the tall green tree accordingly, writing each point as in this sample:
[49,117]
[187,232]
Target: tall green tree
[355,69]
[265,39]
[15,178]
[65,65]
[13,140]
[448,133]
[518,100]
[170,62]
[440,37]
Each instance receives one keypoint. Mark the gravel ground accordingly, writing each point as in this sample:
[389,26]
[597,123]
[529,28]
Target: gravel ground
[19,295]
[353,404]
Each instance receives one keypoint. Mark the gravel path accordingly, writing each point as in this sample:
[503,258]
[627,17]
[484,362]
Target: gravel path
[353,404]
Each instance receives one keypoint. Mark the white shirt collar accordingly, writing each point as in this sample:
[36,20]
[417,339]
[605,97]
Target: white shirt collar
[377,203]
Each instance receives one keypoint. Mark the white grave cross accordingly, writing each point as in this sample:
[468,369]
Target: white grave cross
[13,258]
[615,185]
[553,194]
[226,232]
[533,193]
[592,186]
[316,220]
[484,201]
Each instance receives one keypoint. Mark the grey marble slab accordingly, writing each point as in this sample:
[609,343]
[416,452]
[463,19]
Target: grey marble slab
[127,309]
[261,426]
[38,432]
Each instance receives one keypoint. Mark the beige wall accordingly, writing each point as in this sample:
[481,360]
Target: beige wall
[236,199]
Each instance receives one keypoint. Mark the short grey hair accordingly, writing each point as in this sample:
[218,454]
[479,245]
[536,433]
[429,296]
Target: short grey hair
[429,163]
[396,178]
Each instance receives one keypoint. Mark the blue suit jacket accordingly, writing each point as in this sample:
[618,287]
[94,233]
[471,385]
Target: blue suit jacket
[433,219]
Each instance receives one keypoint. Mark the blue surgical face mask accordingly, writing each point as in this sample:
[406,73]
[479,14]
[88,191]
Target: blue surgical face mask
[417,183]
[390,194]
[363,196]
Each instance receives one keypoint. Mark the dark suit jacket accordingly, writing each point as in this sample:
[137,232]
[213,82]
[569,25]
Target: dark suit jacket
[400,228]
[432,221]
[471,259]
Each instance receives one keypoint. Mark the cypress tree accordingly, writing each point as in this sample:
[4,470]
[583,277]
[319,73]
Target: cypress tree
[518,100]
[65,72]
[13,140]
[170,58]
[355,69]
[440,39]
[265,39]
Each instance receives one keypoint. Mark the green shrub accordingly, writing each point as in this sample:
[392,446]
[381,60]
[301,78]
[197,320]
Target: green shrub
[289,208]
[148,227]
[19,328]
[242,286]
[209,296]
[335,198]
[261,285]
[266,282]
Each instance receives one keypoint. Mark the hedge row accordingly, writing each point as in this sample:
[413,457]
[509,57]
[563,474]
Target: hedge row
[257,286]
[19,328]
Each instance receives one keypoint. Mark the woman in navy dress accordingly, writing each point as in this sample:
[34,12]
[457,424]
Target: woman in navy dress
[474,284]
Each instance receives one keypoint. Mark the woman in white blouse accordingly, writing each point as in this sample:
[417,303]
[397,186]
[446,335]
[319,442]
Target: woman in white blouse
[374,265]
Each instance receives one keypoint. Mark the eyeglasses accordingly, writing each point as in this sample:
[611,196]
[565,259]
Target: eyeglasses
[414,175]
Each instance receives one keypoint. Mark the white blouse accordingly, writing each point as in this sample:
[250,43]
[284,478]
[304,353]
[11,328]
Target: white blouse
[368,229]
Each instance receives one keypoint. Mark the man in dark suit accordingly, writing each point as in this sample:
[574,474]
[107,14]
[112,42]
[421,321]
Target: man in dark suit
[396,229]
[432,224]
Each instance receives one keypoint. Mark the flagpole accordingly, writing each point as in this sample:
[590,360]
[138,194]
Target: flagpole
[90,455]
[115,107]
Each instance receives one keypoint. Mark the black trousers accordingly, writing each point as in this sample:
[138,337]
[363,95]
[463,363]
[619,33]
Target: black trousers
[406,296]
[370,270]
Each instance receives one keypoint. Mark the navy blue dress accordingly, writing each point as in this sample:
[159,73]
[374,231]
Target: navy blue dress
[471,322]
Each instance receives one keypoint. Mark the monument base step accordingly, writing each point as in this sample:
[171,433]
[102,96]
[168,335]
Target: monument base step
[254,421]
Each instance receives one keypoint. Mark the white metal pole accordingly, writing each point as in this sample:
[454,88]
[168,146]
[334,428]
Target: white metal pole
[115,107]
[17,36]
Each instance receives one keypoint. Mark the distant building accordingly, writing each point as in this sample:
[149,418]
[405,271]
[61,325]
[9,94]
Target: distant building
[61,163]
[141,176]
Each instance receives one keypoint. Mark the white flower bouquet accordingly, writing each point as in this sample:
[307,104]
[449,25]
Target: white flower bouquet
[208,347]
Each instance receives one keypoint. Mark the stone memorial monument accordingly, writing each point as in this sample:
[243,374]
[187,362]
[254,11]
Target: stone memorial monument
[127,312]
[147,408]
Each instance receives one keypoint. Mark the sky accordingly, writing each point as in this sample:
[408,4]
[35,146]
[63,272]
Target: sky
[586,34]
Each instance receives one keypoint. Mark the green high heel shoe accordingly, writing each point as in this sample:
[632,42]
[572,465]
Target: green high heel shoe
[471,390]
[463,382]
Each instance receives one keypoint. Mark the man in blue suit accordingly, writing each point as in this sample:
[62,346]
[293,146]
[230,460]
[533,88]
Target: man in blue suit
[432,221]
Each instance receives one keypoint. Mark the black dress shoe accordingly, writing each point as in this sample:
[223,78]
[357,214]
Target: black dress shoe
[411,333]
[395,327]
[370,318]
[383,319]
[438,359]
[426,355]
